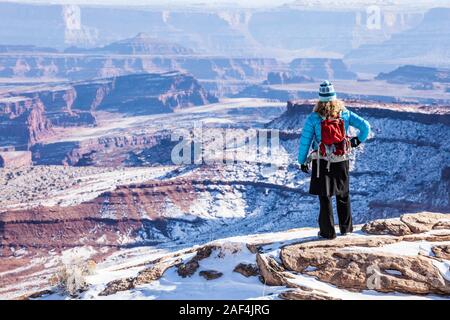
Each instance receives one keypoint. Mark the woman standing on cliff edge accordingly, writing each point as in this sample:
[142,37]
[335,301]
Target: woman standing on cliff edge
[326,129]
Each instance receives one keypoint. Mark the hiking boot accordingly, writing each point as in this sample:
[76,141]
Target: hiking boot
[324,238]
[345,233]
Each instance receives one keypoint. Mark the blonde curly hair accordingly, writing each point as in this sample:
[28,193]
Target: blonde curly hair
[329,109]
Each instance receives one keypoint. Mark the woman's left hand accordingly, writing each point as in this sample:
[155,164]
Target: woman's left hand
[355,142]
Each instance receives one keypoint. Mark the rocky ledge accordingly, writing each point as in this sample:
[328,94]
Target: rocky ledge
[397,258]
[397,262]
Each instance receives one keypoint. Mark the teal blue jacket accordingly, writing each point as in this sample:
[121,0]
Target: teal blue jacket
[311,131]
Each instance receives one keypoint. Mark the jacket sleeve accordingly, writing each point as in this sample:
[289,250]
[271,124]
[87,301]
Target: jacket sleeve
[361,124]
[306,140]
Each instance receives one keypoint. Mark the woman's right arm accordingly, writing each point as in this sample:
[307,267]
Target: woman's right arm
[306,140]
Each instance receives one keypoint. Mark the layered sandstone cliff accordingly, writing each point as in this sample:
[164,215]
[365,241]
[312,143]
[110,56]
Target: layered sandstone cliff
[81,66]
[28,114]
[143,54]
[411,73]
[23,121]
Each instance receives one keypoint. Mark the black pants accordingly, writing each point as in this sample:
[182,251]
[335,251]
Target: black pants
[326,219]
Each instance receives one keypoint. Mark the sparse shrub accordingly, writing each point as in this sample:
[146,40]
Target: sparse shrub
[71,277]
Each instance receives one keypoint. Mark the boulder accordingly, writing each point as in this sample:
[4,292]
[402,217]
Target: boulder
[272,273]
[425,221]
[247,270]
[210,274]
[37,295]
[188,269]
[117,285]
[155,272]
[442,225]
[442,251]
[387,226]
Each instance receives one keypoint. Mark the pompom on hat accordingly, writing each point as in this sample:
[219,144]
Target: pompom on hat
[326,92]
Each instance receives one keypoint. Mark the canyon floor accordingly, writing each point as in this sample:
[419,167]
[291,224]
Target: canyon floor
[64,185]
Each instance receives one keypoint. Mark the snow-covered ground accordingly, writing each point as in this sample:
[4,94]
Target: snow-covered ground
[224,112]
[67,186]
[399,168]
[228,254]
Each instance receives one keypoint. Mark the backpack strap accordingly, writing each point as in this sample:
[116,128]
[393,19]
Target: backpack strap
[330,151]
[318,158]
[318,148]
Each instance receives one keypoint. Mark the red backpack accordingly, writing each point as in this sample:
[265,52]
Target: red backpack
[334,138]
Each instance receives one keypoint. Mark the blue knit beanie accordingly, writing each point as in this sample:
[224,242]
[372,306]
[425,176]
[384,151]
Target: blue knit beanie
[326,92]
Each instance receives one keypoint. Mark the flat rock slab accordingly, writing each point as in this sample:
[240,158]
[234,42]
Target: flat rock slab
[350,264]
[409,224]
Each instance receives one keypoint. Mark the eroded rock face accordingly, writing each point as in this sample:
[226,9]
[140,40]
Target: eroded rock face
[352,265]
[279,77]
[28,115]
[150,93]
[23,121]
